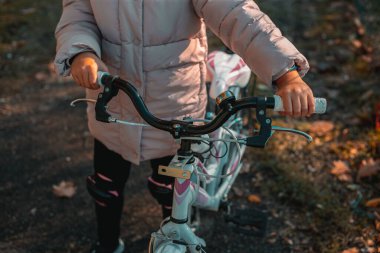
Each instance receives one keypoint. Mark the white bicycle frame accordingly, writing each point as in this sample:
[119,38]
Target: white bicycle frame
[206,187]
[188,193]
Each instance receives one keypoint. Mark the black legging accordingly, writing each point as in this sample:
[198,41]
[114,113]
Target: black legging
[111,165]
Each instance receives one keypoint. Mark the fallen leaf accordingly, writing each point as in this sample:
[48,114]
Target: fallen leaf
[272,238]
[359,26]
[288,241]
[274,213]
[345,178]
[357,43]
[371,250]
[341,171]
[340,167]
[377,225]
[238,192]
[352,250]
[290,224]
[64,189]
[321,127]
[361,31]
[28,11]
[51,67]
[368,168]
[377,111]
[254,199]
[41,76]
[353,152]
[366,95]
[373,202]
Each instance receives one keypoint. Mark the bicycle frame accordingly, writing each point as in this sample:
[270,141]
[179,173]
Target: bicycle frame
[177,235]
[187,194]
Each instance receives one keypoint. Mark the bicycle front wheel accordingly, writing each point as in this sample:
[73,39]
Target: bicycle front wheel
[165,247]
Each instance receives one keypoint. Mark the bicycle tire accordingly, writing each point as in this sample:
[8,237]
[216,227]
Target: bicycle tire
[166,247]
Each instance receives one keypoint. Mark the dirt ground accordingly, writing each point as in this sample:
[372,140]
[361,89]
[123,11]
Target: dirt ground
[44,141]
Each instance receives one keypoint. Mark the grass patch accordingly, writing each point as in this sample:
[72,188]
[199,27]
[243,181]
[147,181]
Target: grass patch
[320,207]
[27,40]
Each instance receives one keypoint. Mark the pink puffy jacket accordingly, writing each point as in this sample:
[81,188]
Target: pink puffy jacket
[161,47]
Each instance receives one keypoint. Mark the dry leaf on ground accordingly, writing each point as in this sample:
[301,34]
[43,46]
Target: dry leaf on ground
[340,167]
[254,199]
[41,76]
[373,202]
[321,127]
[357,43]
[368,168]
[341,171]
[377,225]
[352,250]
[238,192]
[64,189]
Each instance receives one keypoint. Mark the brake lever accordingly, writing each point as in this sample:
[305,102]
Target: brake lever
[266,129]
[104,97]
[294,131]
[265,132]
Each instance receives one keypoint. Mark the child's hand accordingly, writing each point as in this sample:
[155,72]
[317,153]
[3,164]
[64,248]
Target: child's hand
[84,69]
[296,95]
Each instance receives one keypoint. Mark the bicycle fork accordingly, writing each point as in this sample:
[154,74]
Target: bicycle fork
[176,236]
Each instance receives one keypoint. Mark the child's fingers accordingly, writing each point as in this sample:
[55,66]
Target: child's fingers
[304,105]
[84,75]
[90,83]
[92,76]
[87,77]
[79,79]
[287,101]
[75,79]
[296,105]
[311,104]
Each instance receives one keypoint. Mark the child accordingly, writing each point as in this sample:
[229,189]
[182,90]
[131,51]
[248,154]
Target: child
[161,47]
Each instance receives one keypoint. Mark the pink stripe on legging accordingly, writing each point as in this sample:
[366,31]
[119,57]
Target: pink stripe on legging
[100,203]
[104,177]
[115,193]
[168,186]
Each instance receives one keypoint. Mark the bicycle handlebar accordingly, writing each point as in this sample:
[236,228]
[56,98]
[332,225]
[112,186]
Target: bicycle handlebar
[228,105]
[112,84]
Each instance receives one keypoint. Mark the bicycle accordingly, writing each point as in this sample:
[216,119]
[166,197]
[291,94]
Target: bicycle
[203,177]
